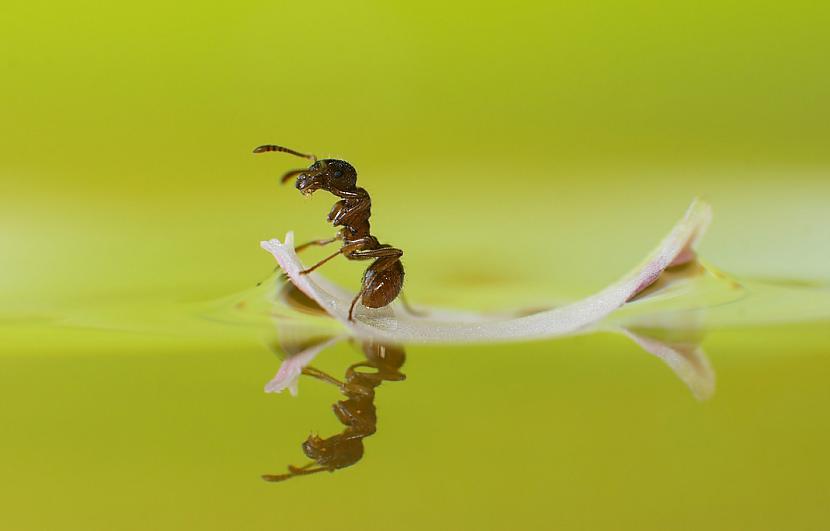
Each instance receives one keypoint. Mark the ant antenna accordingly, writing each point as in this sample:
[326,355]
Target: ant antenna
[293,472]
[271,147]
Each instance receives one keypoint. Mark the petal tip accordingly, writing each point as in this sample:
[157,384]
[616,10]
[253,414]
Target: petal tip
[275,244]
[270,245]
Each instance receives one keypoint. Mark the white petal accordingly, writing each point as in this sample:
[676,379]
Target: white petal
[288,375]
[394,324]
[686,359]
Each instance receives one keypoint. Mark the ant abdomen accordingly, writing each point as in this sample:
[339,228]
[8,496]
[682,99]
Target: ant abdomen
[382,287]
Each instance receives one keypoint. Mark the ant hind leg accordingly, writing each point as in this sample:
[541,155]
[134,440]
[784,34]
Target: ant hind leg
[354,302]
[409,309]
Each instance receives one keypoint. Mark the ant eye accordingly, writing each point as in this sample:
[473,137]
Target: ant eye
[338,173]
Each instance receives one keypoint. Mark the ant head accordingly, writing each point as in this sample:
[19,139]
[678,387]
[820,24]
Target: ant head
[337,451]
[327,174]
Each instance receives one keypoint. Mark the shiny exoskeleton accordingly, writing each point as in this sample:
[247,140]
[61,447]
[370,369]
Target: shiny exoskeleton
[383,279]
[357,412]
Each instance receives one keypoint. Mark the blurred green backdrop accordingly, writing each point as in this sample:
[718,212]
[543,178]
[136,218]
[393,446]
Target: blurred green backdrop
[125,150]
[518,152]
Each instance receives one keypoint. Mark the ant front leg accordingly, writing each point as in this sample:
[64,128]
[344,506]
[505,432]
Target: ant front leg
[320,375]
[350,247]
[320,243]
[321,262]
[301,248]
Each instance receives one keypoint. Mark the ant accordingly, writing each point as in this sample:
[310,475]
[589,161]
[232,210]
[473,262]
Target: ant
[383,280]
[357,412]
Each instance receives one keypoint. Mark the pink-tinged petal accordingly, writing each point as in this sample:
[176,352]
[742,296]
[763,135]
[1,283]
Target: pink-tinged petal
[686,359]
[396,325]
[288,375]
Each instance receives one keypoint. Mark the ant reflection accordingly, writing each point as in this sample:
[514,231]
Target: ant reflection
[357,412]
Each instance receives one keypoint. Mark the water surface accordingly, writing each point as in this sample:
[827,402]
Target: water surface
[166,426]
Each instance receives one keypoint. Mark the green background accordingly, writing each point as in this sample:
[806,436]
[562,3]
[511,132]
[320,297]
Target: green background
[519,153]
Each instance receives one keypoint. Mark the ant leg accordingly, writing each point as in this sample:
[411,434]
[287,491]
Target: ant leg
[298,249]
[354,301]
[315,242]
[321,262]
[390,254]
[341,214]
[346,249]
[320,375]
[409,308]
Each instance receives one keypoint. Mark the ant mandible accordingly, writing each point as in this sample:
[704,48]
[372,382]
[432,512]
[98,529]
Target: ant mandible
[383,279]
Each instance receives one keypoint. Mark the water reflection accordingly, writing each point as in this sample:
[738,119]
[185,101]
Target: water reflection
[381,363]
[357,412]
[681,351]
[673,338]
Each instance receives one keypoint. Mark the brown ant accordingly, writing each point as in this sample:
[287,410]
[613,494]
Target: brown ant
[357,412]
[383,279]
